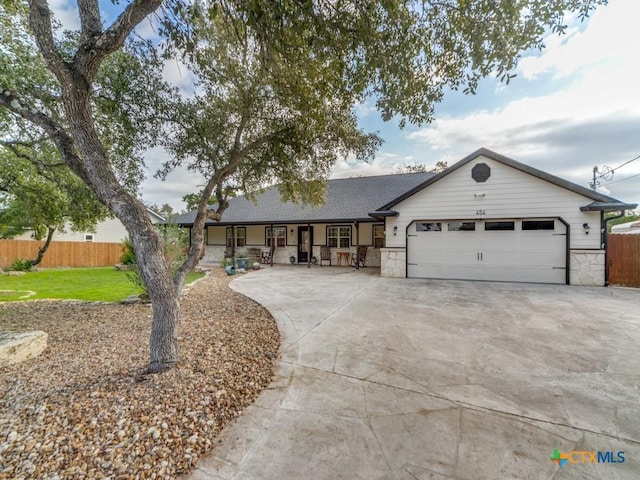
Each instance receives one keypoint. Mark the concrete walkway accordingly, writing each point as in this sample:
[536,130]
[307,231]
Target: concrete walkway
[416,379]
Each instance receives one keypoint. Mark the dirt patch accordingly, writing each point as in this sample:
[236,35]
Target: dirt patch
[85,408]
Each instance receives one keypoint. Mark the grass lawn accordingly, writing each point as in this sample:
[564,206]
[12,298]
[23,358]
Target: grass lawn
[92,284]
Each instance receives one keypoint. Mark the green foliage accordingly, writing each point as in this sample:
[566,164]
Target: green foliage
[128,256]
[175,243]
[130,99]
[39,192]
[277,81]
[103,284]
[403,53]
[629,217]
[21,265]
[242,253]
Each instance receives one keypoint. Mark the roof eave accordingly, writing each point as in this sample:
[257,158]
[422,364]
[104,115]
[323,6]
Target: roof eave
[380,215]
[228,223]
[608,207]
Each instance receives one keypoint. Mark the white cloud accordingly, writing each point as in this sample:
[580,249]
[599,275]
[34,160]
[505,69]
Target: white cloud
[383,164]
[66,13]
[607,40]
[592,119]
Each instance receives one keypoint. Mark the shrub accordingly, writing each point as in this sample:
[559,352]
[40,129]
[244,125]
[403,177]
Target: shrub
[21,265]
[175,240]
[128,253]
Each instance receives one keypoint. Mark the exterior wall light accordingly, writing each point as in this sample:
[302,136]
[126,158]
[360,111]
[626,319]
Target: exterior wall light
[395,231]
[586,228]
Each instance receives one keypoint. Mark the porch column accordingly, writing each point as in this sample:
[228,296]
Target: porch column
[272,247]
[233,245]
[357,245]
[310,250]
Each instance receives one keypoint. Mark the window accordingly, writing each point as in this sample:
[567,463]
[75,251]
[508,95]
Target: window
[429,227]
[241,236]
[499,226]
[280,234]
[339,237]
[461,226]
[88,237]
[378,236]
[538,225]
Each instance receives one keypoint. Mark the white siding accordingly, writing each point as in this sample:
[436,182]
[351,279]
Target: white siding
[217,236]
[508,193]
[109,231]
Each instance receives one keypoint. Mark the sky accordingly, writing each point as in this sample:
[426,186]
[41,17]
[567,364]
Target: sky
[572,107]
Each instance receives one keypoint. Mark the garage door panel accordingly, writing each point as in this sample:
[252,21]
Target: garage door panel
[501,255]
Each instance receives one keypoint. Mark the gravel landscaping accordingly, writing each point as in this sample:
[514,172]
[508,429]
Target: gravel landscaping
[86,409]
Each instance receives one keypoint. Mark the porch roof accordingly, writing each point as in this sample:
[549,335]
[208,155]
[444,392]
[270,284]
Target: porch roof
[348,200]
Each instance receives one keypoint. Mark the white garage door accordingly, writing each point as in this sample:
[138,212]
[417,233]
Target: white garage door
[529,250]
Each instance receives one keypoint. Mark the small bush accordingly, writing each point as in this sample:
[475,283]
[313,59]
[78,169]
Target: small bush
[128,253]
[21,265]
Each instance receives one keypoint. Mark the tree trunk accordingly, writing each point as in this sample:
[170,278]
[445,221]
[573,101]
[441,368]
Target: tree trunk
[163,344]
[94,167]
[43,249]
[80,146]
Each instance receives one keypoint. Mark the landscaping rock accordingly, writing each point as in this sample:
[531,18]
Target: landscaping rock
[87,409]
[16,347]
[15,274]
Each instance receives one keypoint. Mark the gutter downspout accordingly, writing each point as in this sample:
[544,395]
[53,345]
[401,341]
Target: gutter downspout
[604,234]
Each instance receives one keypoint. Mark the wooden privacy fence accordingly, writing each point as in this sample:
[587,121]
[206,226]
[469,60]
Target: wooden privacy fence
[624,259]
[62,254]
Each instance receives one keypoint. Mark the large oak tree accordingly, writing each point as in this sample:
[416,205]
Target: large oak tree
[313,54]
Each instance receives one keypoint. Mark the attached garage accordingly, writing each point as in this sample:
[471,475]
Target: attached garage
[506,249]
[489,217]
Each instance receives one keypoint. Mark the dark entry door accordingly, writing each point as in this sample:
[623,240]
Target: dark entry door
[305,241]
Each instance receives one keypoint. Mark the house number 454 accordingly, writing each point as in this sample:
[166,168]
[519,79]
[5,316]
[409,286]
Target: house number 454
[481,212]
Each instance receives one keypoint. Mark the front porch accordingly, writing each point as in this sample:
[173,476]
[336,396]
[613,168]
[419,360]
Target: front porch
[298,244]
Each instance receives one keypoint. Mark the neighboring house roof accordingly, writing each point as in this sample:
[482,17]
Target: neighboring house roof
[600,201]
[347,200]
[627,227]
[159,218]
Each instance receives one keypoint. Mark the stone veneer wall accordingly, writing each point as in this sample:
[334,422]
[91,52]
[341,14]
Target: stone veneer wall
[393,262]
[587,267]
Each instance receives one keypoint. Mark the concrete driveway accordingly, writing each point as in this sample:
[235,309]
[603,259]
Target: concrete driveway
[417,379]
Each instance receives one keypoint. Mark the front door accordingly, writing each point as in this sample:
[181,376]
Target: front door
[305,241]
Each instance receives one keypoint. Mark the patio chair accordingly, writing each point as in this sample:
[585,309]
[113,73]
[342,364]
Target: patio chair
[267,255]
[254,254]
[359,258]
[325,255]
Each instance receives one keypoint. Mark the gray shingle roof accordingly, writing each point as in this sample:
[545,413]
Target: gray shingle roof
[348,199]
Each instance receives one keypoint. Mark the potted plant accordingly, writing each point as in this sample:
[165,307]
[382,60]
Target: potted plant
[242,259]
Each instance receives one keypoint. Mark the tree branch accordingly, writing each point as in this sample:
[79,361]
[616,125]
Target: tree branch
[39,164]
[58,135]
[91,53]
[197,234]
[89,18]
[40,23]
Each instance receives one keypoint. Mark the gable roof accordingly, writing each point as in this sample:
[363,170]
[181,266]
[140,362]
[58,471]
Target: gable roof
[347,200]
[600,201]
